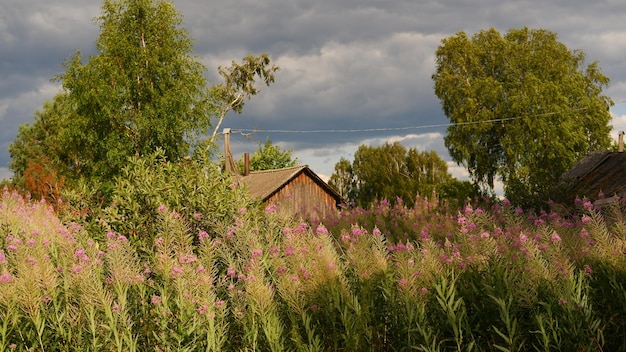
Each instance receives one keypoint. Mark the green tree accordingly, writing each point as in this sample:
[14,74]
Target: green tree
[144,90]
[268,157]
[523,107]
[343,179]
[388,172]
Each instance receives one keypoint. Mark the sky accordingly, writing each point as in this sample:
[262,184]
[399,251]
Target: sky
[352,72]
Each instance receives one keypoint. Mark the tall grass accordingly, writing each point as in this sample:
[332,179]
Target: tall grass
[428,278]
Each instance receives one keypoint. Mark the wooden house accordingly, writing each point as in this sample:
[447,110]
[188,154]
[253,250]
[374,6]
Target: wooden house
[296,190]
[599,177]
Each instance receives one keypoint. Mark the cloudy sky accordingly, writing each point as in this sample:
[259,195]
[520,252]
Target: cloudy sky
[359,68]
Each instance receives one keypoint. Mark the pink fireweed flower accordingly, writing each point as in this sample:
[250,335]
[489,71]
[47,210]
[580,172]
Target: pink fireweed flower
[156,300]
[203,309]
[187,259]
[484,235]
[321,230]
[202,235]
[257,253]
[356,231]
[5,278]
[305,273]
[555,238]
[47,299]
[294,278]
[231,272]
[12,248]
[177,272]
[585,219]
[219,303]
[77,269]
[111,235]
[289,250]
[197,216]
[159,241]
[79,253]
[272,208]
[242,210]
[3,258]
[162,208]
[274,251]
[31,260]
[232,185]
[31,242]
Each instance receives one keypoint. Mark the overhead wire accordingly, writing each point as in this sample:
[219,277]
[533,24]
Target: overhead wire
[247,132]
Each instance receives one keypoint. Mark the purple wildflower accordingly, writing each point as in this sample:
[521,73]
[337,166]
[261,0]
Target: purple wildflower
[156,300]
[6,278]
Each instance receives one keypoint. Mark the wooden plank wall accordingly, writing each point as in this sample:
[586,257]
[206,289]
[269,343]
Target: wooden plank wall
[303,197]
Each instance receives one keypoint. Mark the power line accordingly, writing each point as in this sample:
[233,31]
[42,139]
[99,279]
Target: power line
[244,130]
[247,132]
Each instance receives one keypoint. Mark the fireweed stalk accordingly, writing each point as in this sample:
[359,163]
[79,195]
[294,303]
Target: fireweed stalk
[267,282]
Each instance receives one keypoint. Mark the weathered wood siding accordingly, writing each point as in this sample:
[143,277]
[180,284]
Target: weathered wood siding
[304,197]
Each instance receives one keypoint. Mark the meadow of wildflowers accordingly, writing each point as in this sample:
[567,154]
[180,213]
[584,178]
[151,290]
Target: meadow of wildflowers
[433,277]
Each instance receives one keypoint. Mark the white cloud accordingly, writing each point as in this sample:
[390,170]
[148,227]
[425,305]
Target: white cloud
[5,173]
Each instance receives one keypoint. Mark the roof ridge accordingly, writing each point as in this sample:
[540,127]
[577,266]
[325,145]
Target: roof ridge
[280,170]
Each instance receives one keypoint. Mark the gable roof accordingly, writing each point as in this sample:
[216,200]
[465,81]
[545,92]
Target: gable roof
[602,171]
[263,184]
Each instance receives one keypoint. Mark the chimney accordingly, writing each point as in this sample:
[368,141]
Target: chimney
[246,164]
[620,143]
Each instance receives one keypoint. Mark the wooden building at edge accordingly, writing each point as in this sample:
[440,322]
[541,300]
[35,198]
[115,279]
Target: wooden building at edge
[295,190]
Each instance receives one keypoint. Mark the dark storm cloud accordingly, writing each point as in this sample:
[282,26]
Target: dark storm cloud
[345,65]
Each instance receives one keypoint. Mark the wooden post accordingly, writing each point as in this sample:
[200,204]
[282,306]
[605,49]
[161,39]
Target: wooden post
[246,164]
[227,154]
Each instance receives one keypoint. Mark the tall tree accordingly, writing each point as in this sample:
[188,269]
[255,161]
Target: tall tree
[523,107]
[343,179]
[269,157]
[144,90]
[388,171]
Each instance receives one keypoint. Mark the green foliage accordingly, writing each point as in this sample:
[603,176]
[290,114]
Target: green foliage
[143,91]
[485,279]
[195,189]
[389,172]
[523,107]
[239,84]
[268,157]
